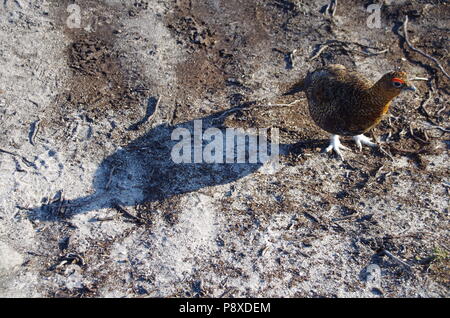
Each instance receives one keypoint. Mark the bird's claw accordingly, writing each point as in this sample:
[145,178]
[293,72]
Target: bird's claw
[336,146]
[363,140]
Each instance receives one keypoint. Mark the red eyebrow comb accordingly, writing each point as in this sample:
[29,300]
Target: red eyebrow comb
[396,79]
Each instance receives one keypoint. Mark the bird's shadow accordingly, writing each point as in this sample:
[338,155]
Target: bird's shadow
[143,171]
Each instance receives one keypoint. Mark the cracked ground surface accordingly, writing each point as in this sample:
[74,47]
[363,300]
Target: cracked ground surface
[93,206]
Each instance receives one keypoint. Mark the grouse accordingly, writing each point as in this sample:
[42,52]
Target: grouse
[344,103]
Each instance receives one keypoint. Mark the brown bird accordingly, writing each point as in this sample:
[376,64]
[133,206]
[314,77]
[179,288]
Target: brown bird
[344,103]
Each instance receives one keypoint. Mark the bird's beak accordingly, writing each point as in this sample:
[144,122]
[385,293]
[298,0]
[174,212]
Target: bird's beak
[410,87]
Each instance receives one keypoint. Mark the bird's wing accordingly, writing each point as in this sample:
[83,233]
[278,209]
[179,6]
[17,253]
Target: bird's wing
[334,96]
[335,86]
[303,83]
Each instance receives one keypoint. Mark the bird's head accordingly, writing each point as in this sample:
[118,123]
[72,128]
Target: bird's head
[393,83]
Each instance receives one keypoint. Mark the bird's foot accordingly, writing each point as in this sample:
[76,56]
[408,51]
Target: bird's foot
[363,140]
[336,146]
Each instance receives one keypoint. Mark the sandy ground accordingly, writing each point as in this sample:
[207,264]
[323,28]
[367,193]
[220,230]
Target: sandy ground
[93,206]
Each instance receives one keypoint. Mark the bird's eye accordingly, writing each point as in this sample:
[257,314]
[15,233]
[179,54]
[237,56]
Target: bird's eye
[397,82]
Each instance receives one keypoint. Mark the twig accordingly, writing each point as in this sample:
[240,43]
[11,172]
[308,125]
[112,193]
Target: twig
[405,31]
[33,102]
[406,152]
[326,45]
[292,57]
[372,53]
[148,116]
[395,258]
[425,103]
[225,113]
[438,113]
[35,129]
[8,152]
[110,177]
[333,7]
[348,217]
[140,89]
[156,109]
[356,43]
[127,214]
[25,160]
[386,153]
[279,105]
[18,4]
[232,110]
[103,219]
[419,79]
[437,127]
[311,217]
[172,116]
[321,49]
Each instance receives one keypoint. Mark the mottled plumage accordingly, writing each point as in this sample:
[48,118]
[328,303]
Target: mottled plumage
[344,103]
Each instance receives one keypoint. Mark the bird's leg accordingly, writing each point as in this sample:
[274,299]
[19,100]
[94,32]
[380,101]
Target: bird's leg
[335,144]
[363,140]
